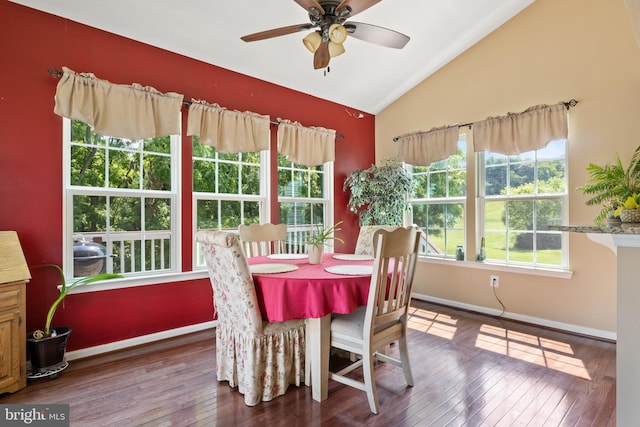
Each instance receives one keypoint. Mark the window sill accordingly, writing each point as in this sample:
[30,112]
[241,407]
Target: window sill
[129,282]
[490,266]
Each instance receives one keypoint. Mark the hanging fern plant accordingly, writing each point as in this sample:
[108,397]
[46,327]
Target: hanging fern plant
[379,194]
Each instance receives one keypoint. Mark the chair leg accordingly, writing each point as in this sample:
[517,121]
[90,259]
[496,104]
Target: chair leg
[307,356]
[404,358]
[369,381]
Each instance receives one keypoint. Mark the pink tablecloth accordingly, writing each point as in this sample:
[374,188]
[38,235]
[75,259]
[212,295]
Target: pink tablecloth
[310,291]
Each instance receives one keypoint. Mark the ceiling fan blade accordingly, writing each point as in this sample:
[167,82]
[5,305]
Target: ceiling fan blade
[276,32]
[308,4]
[356,6]
[378,35]
[321,57]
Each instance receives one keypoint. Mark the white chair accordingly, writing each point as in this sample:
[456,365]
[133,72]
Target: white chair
[369,330]
[262,359]
[364,244]
[263,239]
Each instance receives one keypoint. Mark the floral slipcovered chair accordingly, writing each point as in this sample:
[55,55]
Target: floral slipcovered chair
[262,359]
[364,244]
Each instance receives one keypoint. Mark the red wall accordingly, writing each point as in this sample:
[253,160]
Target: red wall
[31,42]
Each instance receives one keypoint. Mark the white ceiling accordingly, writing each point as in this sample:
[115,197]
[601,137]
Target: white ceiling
[366,77]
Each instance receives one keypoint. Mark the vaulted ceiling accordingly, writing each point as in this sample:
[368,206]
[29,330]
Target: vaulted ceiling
[367,77]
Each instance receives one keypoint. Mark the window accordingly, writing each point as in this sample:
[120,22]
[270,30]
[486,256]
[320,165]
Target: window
[121,203]
[438,202]
[305,198]
[517,196]
[228,189]
[521,196]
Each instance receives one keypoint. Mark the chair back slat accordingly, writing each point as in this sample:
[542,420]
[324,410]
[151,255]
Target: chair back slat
[234,293]
[392,280]
[263,239]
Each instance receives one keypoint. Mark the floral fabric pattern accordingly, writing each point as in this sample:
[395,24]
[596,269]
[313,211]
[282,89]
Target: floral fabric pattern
[364,245]
[260,358]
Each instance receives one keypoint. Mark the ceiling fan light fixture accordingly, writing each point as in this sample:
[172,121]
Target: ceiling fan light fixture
[337,33]
[335,49]
[312,41]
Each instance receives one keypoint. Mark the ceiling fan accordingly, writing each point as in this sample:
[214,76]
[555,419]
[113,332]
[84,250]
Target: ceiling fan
[329,21]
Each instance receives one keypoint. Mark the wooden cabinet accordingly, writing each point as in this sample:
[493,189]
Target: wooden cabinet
[14,274]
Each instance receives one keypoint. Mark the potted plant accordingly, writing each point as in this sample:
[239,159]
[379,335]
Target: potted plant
[46,347]
[318,238]
[379,194]
[629,209]
[612,184]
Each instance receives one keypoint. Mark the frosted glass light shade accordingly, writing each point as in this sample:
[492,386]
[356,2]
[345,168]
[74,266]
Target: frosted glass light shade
[337,33]
[335,49]
[312,41]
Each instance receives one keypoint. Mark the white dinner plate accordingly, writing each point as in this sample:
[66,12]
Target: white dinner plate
[271,268]
[353,257]
[288,256]
[350,270]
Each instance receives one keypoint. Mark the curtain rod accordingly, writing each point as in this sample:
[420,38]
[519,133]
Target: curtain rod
[568,104]
[56,74]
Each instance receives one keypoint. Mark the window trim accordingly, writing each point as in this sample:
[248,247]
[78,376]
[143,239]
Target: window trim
[475,219]
[175,195]
[263,199]
[482,199]
[328,182]
[461,199]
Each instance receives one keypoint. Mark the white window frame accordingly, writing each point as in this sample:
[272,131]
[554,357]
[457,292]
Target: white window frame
[262,199]
[327,201]
[474,211]
[483,199]
[445,200]
[175,196]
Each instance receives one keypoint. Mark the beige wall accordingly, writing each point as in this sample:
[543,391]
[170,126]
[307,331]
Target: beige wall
[552,51]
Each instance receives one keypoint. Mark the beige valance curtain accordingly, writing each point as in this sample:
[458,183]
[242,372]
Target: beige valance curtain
[228,131]
[521,132]
[309,146]
[132,112]
[424,148]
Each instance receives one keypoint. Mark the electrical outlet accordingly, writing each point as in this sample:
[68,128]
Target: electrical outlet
[494,281]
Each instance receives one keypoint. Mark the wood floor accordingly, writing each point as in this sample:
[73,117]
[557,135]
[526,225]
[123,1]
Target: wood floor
[469,370]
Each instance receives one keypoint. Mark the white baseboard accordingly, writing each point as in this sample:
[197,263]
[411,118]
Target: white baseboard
[132,342]
[597,333]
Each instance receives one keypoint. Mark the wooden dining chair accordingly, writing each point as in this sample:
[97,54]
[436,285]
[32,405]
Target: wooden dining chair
[260,358]
[364,244]
[369,330]
[263,239]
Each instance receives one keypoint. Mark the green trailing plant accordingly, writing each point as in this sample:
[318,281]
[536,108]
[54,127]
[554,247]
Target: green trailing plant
[379,194]
[612,184]
[321,235]
[64,291]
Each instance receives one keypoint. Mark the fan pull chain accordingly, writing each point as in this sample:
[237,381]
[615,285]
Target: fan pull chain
[327,70]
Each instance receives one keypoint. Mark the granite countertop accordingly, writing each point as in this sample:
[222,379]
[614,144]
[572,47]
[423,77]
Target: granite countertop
[619,228]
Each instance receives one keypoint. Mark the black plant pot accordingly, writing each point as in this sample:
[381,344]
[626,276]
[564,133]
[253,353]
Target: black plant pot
[47,352]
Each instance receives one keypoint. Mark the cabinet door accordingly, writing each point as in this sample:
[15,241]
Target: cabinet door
[10,351]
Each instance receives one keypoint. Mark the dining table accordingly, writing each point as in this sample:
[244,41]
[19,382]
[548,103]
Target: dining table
[289,287]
